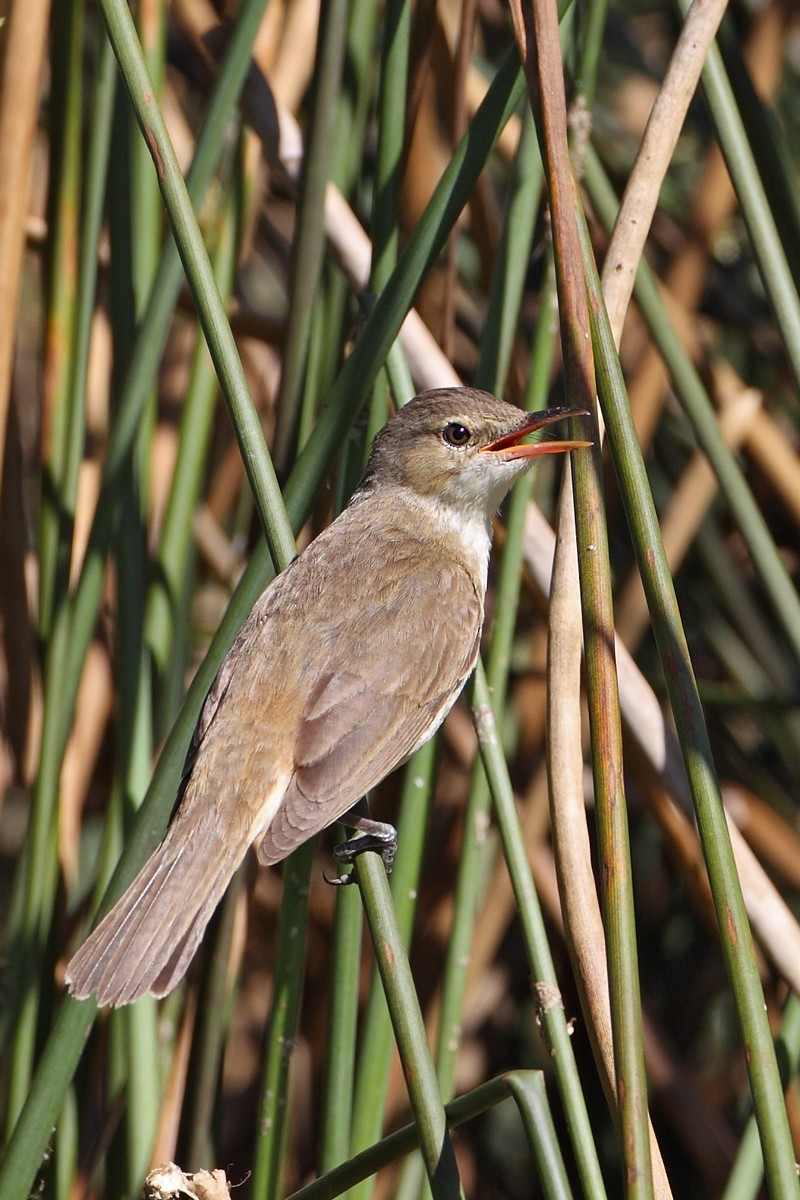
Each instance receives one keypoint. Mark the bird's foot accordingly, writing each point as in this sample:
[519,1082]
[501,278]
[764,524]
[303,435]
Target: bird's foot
[375,835]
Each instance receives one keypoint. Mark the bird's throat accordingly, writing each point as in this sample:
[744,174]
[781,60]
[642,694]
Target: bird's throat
[453,534]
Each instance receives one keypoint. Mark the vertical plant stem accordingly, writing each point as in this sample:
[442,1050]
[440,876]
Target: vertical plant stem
[375,1051]
[25,37]
[309,240]
[698,407]
[527,1088]
[546,991]
[209,1043]
[409,1029]
[59,410]
[537,36]
[501,321]
[197,415]
[257,463]
[270,1148]
[779,285]
[687,711]
[342,1023]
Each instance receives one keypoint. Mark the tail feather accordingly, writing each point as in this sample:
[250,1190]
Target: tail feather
[146,941]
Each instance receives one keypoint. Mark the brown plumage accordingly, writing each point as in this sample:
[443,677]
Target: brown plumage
[348,662]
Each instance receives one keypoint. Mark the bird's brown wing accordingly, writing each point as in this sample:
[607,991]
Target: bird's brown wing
[369,711]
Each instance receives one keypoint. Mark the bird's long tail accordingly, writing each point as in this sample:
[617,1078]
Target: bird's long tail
[147,940]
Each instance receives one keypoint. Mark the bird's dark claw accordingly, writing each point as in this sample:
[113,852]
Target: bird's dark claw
[339,880]
[380,837]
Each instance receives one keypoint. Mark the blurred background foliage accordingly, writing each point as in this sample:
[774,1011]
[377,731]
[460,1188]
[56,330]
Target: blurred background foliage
[128,520]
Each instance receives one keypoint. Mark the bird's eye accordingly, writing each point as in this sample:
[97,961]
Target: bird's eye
[456,434]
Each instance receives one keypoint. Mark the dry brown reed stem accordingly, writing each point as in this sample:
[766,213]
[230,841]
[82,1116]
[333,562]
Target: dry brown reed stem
[215,547]
[169,1113]
[685,513]
[713,203]
[773,923]
[582,915]
[98,387]
[776,841]
[476,83]
[294,60]
[585,934]
[639,202]
[646,729]
[25,40]
[703,1134]
[771,448]
[93,708]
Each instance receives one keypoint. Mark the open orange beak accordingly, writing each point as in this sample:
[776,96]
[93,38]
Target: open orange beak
[510,445]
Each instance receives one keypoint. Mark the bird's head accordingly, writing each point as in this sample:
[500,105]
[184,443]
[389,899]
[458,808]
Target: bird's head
[461,446]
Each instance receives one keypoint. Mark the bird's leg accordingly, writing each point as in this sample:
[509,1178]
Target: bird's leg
[373,835]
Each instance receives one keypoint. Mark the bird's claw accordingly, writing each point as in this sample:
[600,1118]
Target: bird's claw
[339,880]
[383,841]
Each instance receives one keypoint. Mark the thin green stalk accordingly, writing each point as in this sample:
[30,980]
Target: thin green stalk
[695,401]
[502,317]
[377,1046]
[389,152]
[747,1177]
[387,184]
[37,875]
[353,110]
[409,1028]
[548,996]
[764,237]
[308,246]
[529,1091]
[281,1032]
[511,262]
[197,416]
[211,312]
[208,1043]
[592,28]
[132,770]
[137,1070]
[66,1149]
[342,1022]
[356,94]
[537,32]
[143,365]
[322,351]
[771,147]
[146,210]
[734,929]
[361,1166]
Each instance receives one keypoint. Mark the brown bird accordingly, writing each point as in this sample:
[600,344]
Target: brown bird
[349,661]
